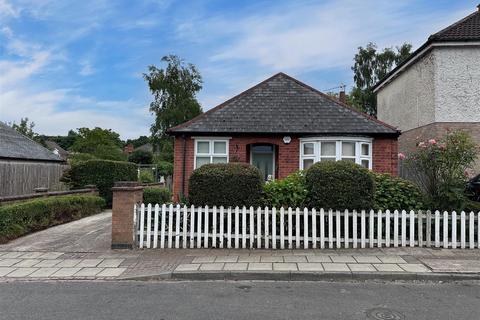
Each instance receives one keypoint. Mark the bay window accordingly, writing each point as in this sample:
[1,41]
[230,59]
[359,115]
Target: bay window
[210,151]
[357,150]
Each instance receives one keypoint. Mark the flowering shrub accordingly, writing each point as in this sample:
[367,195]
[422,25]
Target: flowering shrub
[439,168]
[288,192]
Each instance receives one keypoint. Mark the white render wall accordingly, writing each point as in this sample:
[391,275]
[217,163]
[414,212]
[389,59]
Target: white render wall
[443,86]
[457,83]
[409,100]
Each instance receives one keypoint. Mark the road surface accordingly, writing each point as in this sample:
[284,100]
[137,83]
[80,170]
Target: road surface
[237,300]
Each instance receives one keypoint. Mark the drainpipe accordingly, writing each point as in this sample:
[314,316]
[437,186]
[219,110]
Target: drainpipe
[183,163]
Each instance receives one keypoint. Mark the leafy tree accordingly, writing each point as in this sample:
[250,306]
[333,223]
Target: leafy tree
[101,143]
[370,67]
[65,142]
[140,141]
[174,89]
[26,128]
[141,157]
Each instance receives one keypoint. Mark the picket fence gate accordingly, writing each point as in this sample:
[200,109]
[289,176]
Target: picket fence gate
[218,227]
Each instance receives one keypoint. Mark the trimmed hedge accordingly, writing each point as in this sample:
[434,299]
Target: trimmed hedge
[229,184]
[288,192]
[102,173]
[156,195]
[339,185]
[394,193]
[28,216]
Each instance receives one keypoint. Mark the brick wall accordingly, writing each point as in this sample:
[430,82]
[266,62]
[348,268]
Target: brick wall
[385,156]
[409,139]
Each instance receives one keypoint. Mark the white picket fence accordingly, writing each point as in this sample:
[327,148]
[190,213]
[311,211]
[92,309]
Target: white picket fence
[203,227]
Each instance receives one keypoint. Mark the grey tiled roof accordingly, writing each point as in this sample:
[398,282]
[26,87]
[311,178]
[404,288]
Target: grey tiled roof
[17,146]
[467,29]
[282,104]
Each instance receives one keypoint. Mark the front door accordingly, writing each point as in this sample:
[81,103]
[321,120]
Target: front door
[263,157]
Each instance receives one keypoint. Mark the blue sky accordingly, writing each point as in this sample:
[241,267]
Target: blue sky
[69,64]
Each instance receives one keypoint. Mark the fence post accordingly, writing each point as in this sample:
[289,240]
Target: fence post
[125,195]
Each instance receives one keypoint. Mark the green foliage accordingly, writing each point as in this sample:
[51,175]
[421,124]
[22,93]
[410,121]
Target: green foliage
[370,67]
[339,185]
[439,168]
[146,176]
[65,142]
[28,216]
[156,195]
[140,141]
[288,192]
[164,168]
[141,157]
[102,173]
[26,128]
[394,193]
[102,143]
[80,157]
[226,184]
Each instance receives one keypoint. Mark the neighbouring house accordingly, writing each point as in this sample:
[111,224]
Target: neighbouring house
[26,165]
[282,125]
[437,88]
[56,149]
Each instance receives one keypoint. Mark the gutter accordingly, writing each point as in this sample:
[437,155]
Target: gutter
[183,163]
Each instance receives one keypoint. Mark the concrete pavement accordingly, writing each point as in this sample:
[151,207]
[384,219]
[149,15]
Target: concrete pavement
[238,300]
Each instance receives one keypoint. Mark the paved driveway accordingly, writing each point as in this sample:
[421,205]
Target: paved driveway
[90,234]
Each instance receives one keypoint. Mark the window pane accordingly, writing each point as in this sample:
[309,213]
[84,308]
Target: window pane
[203,147]
[348,149]
[308,149]
[307,163]
[328,148]
[201,161]
[365,163]
[349,159]
[219,160]
[219,147]
[365,149]
[328,159]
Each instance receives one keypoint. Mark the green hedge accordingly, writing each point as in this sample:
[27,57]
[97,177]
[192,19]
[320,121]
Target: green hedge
[396,194]
[24,217]
[156,195]
[288,192]
[102,173]
[339,185]
[230,184]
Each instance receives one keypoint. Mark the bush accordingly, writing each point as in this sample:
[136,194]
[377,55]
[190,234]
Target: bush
[146,176]
[288,192]
[80,157]
[156,195]
[230,184]
[164,168]
[32,215]
[102,173]
[141,157]
[339,185]
[396,194]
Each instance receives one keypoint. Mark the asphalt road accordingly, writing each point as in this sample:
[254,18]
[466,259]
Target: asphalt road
[237,300]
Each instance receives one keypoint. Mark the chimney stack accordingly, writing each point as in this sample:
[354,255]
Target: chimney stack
[341,96]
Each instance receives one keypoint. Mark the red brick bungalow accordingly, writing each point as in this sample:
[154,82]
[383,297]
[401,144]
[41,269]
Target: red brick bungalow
[282,125]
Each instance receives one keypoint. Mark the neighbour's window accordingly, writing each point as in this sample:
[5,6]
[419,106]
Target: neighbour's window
[357,150]
[210,151]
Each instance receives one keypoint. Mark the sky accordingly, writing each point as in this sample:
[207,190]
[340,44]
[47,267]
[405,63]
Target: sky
[70,64]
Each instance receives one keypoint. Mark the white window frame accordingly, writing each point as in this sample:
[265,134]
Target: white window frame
[317,141]
[211,141]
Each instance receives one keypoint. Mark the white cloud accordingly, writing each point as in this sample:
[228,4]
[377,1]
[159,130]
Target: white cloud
[86,68]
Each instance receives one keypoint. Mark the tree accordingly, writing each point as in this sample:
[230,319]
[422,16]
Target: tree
[140,141]
[370,67]
[102,143]
[174,89]
[141,157]
[26,128]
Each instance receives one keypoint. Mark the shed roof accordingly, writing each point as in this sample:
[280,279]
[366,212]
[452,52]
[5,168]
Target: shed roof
[14,145]
[282,104]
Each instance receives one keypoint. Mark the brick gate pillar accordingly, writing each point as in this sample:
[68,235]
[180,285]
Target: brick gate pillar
[125,195]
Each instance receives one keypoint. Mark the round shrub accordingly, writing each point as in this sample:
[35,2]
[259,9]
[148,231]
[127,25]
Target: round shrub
[156,195]
[164,168]
[396,194]
[102,173]
[288,192]
[146,176]
[339,185]
[229,185]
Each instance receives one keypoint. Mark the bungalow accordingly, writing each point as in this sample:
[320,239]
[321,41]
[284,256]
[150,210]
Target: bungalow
[282,125]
